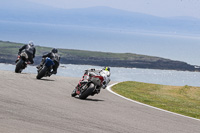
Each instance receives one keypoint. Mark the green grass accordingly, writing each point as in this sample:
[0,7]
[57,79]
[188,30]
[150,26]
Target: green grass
[121,56]
[184,100]
[12,48]
[8,47]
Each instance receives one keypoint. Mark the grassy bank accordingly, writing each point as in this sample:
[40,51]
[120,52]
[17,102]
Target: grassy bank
[9,50]
[7,47]
[180,99]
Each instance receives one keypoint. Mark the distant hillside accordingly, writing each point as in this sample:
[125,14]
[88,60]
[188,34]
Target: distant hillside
[103,17]
[9,50]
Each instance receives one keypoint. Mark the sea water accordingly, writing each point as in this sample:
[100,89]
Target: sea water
[120,74]
[176,47]
[169,45]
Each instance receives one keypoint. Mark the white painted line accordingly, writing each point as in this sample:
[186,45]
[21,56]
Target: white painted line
[109,89]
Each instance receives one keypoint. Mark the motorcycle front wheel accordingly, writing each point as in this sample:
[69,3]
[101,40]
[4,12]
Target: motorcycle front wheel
[87,92]
[42,73]
[19,66]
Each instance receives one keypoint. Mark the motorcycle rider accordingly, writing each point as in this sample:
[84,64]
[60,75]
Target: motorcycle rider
[30,51]
[54,56]
[105,73]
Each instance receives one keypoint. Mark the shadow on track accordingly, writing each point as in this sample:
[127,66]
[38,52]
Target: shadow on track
[46,79]
[89,99]
[20,73]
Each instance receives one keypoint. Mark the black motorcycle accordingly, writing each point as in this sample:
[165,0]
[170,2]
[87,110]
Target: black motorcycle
[90,84]
[21,62]
[45,69]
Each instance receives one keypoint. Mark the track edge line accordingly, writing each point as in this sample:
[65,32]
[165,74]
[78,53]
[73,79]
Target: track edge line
[110,90]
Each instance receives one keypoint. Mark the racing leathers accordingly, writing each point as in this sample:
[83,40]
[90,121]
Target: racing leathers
[30,51]
[105,74]
[56,59]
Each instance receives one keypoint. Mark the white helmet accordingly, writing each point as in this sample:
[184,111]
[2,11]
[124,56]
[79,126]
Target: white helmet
[31,43]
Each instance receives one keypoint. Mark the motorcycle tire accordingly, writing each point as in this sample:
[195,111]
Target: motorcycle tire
[87,92]
[42,73]
[18,68]
[73,94]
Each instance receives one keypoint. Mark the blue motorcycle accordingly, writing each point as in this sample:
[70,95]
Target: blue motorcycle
[45,69]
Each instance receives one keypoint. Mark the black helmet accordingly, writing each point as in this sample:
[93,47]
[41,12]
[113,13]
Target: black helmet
[106,69]
[54,50]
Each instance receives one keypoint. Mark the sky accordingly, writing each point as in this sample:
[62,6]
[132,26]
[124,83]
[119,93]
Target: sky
[163,8]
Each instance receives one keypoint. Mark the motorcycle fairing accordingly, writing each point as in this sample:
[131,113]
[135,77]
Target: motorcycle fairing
[49,62]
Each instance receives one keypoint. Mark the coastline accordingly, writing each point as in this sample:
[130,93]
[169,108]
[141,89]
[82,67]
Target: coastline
[9,52]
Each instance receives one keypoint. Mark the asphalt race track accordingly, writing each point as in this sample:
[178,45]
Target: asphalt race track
[28,105]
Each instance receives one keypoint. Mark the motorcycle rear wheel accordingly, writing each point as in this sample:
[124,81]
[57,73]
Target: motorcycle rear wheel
[87,92]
